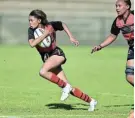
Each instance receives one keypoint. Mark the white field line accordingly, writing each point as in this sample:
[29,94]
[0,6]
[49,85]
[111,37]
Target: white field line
[9,87]
[46,116]
[113,94]
[51,90]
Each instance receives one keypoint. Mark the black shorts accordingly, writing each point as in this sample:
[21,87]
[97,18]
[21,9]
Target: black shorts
[56,51]
[130,53]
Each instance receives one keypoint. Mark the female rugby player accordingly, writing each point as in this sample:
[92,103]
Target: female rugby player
[124,22]
[53,56]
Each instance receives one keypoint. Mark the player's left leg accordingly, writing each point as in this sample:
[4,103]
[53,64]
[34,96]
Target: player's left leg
[130,71]
[86,98]
[78,93]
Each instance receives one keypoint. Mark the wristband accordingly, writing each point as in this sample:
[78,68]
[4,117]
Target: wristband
[100,46]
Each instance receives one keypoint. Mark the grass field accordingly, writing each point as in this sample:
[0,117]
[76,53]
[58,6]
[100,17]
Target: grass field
[23,93]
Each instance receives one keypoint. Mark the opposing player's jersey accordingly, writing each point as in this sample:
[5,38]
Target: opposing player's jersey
[125,26]
[57,26]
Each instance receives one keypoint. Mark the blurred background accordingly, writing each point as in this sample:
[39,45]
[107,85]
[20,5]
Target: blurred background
[23,93]
[89,20]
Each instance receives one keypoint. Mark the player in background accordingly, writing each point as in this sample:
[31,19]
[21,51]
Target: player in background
[124,22]
[53,57]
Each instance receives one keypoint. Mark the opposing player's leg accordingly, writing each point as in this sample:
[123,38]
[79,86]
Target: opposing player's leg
[130,66]
[130,71]
[77,92]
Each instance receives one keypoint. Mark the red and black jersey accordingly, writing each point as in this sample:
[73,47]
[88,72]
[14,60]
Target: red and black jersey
[125,26]
[57,26]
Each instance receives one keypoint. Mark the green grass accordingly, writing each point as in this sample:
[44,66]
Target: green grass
[23,93]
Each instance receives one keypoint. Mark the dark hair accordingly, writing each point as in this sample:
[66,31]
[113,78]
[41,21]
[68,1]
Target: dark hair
[39,14]
[128,2]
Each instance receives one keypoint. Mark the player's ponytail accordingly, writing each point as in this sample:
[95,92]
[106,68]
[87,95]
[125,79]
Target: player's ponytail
[39,14]
[128,2]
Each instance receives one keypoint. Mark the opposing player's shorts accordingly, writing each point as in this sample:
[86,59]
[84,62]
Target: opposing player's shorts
[56,51]
[130,53]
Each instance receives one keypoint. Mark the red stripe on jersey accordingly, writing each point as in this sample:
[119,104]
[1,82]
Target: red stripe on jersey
[129,36]
[130,22]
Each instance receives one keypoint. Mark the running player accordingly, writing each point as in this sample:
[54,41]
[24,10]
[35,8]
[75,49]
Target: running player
[124,22]
[53,57]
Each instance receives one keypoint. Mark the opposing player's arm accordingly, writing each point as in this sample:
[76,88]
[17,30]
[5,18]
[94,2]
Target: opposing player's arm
[111,38]
[32,41]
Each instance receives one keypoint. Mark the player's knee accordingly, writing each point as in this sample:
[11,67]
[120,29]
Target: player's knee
[43,72]
[129,70]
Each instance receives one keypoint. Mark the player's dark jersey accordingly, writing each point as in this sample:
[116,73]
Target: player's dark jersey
[57,26]
[125,26]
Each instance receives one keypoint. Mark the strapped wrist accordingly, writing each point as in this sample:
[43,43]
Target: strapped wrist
[100,46]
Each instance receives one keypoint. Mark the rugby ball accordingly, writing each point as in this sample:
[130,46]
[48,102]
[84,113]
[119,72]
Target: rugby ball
[46,42]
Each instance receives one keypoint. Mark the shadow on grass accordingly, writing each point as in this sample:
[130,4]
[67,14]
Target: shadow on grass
[65,106]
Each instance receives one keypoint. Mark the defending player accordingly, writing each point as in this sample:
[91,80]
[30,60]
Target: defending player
[53,57]
[124,22]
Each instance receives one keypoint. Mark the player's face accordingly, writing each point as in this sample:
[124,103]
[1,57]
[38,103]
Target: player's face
[121,7]
[34,22]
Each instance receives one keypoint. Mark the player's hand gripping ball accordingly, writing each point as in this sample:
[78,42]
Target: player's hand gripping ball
[46,42]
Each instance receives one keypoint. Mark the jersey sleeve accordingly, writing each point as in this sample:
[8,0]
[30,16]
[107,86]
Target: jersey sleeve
[30,34]
[57,25]
[114,29]
[132,12]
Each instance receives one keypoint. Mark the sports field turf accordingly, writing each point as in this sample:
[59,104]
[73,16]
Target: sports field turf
[23,93]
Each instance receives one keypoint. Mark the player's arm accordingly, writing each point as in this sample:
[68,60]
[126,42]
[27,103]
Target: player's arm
[72,39]
[111,38]
[58,25]
[32,41]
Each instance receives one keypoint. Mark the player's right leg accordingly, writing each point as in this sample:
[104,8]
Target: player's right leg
[51,63]
[54,62]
